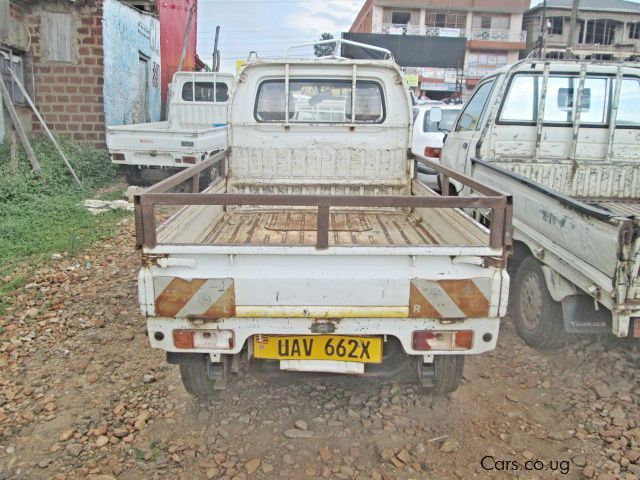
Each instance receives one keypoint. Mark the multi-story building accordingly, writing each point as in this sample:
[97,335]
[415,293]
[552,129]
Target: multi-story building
[605,30]
[492,29]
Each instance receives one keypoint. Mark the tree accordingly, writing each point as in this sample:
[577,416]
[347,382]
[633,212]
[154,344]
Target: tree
[326,49]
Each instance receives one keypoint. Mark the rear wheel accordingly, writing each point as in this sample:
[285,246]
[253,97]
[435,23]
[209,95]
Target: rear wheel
[537,316]
[196,381]
[443,376]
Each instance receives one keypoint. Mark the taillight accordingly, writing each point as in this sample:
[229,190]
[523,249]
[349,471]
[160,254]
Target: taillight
[189,160]
[463,339]
[421,340]
[213,339]
[434,340]
[118,157]
[432,152]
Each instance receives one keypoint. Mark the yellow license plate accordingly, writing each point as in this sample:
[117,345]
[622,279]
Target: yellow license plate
[318,347]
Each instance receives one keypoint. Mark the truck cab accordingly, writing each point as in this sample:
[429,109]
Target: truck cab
[561,137]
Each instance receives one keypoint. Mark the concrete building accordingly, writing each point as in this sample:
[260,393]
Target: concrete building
[492,29]
[605,29]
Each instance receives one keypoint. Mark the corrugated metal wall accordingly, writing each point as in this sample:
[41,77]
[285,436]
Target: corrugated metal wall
[131,65]
[174,15]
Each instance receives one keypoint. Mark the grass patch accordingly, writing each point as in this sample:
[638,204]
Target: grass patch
[38,218]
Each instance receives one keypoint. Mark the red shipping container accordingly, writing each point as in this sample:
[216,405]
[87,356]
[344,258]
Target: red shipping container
[174,16]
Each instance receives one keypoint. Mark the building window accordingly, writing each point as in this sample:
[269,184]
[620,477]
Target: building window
[491,22]
[597,31]
[400,18]
[556,25]
[445,20]
[555,55]
[58,36]
[634,31]
[16,61]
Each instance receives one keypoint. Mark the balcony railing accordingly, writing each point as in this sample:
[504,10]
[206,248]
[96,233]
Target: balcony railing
[498,35]
[491,34]
[618,47]
[402,29]
[445,32]
[397,29]
[477,72]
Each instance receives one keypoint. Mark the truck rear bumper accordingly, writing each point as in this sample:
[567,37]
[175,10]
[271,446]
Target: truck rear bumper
[485,331]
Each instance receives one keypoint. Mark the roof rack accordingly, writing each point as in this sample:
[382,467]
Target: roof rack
[339,42]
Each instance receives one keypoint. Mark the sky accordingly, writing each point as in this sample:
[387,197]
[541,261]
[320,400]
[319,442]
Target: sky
[268,26]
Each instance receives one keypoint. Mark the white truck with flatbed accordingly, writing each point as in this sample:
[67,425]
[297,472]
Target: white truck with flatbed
[195,129]
[562,137]
[317,249]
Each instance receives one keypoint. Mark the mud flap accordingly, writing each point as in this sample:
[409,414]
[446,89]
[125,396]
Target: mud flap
[580,315]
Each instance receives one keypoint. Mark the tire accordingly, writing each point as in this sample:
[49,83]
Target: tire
[132,175]
[205,178]
[447,374]
[537,316]
[452,190]
[196,381]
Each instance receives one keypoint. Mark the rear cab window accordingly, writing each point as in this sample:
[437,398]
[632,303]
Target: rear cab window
[522,101]
[320,101]
[205,92]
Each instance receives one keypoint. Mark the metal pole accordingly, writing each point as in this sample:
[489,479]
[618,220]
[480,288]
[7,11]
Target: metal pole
[572,28]
[44,126]
[185,37]
[216,56]
[543,28]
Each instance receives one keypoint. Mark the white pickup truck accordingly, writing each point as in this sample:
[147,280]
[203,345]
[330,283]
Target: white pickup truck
[317,250]
[196,128]
[562,137]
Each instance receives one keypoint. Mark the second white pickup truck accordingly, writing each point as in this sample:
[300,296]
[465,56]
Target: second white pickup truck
[196,129]
[562,138]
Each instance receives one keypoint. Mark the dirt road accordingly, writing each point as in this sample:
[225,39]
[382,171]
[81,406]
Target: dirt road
[83,396]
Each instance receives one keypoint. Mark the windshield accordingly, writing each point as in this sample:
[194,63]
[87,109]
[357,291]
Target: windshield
[448,117]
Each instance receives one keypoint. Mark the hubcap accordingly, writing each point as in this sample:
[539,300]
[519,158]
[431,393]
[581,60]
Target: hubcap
[531,302]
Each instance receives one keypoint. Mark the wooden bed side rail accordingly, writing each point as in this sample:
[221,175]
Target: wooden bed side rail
[145,203]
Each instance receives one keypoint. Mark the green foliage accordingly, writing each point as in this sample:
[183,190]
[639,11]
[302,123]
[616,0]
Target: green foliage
[326,49]
[41,217]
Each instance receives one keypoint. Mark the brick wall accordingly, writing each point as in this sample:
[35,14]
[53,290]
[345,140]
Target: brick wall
[69,93]
[16,12]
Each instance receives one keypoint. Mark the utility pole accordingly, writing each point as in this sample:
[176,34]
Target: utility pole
[572,28]
[216,54]
[187,34]
[543,29]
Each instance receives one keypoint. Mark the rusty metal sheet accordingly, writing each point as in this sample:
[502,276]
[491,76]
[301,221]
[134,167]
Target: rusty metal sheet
[463,298]
[201,298]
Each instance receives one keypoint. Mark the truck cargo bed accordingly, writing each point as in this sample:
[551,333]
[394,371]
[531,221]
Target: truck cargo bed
[346,228]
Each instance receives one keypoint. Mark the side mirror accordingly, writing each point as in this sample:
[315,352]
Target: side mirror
[435,115]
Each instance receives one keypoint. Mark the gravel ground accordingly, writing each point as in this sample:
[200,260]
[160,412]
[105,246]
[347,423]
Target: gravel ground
[83,396]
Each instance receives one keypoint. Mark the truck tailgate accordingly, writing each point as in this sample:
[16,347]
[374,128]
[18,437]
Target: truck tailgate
[160,137]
